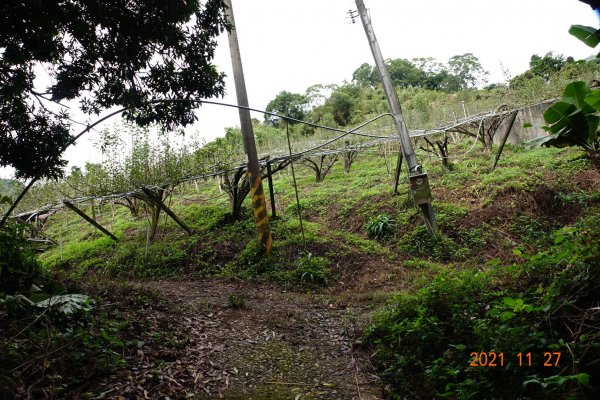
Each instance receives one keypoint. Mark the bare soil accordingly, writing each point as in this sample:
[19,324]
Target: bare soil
[278,345]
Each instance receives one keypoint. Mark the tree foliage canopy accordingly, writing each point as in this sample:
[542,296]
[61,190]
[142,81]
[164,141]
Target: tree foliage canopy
[105,54]
[550,63]
[461,72]
[468,69]
[286,103]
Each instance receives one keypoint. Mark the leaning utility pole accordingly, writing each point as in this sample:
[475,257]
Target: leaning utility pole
[419,183]
[259,206]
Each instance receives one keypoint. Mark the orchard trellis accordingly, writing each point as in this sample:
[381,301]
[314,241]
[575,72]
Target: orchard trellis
[234,179]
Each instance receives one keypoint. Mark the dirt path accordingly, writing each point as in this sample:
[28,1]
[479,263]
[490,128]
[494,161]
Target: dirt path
[280,345]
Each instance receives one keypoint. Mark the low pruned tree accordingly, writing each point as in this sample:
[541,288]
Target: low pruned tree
[439,148]
[237,185]
[484,129]
[322,166]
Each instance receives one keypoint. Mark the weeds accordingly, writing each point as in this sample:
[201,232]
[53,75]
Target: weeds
[429,340]
[236,301]
[312,271]
[380,226]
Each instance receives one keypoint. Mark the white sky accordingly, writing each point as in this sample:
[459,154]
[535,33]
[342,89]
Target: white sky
[291,45]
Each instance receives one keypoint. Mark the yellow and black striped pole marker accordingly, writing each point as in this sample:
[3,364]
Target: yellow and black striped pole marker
[259,206]
[259,209]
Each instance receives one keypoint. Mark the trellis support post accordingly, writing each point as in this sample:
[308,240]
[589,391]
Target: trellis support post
[152,196]
[271,190]
[90,220]
[259,206]
[511,122]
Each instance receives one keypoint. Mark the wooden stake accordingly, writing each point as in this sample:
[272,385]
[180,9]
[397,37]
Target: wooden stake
[271,191]
[152,196]
[504,138]
[90,220]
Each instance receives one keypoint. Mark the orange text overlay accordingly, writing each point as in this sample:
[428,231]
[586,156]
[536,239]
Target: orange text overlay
[495,359]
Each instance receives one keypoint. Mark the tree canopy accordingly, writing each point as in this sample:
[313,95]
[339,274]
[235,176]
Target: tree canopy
[468,69]
[550,63]
[461,72]
[286,103]
[104,54]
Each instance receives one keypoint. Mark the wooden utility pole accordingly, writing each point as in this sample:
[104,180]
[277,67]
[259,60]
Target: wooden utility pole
[419,183]
[259,206]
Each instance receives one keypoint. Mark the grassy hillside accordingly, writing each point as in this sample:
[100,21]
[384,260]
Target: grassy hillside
[482,215]
[513,271]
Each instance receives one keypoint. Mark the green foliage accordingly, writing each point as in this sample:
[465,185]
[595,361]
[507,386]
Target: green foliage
[380,226]
[580,197]
[511,179]
[77,252]
[67,304]
[548,64]
[420,243]
[202,218]
[10,187]
[531,231]
[574,120]
[312,271]
[427,340]
[18,263]
[365,75]
[81,338]
[462,71]
[288,104]
[586,34]
[237,301]
[467,68]
[105,68]
[251,263]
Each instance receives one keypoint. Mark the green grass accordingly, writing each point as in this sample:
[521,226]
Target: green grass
[335,210]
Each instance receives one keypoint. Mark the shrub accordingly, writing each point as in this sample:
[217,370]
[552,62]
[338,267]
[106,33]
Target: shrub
[441,248]
[18,264]
[251,263]
[432,339]
[237,301]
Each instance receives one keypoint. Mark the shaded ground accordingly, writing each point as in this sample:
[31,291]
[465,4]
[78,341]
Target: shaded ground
[278,345]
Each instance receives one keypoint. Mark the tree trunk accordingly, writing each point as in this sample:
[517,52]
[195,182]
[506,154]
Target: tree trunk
[155,213]
[93,210]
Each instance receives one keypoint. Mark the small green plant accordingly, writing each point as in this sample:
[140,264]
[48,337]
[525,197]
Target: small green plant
[312,270]
[237,301]
[441,248]
[579,197]
[380,226]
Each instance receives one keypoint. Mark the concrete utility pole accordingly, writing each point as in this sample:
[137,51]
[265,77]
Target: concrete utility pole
[419,183]
[259,206]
